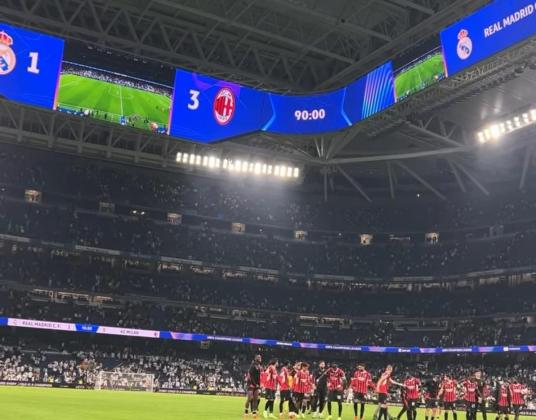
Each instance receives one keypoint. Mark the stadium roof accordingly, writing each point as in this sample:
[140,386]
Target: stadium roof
[298,46]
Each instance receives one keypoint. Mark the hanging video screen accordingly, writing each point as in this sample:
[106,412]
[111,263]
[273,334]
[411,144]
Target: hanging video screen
[111,96]
[419,73]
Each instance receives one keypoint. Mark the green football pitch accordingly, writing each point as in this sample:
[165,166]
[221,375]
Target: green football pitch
[25,403]
[419,76]
[110,101]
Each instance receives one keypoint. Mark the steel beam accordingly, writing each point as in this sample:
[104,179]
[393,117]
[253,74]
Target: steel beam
[354,184]
[421,180]
[391,180]
[472,178]
[526,165]
[457,176]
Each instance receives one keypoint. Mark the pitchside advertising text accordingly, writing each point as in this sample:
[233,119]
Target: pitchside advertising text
[181,336]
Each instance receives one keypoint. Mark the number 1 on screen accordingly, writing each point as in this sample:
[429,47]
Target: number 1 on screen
[34,58]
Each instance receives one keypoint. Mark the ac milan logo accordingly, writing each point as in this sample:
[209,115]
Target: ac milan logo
[224,106]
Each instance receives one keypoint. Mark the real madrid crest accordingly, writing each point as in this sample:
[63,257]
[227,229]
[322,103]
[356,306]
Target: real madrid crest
[8,59]
[465,45]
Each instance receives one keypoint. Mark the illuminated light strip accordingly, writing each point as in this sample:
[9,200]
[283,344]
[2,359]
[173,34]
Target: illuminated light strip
[171,335]
[495,131]
[258,168]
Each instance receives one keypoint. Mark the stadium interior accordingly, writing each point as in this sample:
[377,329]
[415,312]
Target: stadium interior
[135,259]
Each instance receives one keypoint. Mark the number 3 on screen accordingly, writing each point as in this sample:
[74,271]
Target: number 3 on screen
[34,58]
[194,99]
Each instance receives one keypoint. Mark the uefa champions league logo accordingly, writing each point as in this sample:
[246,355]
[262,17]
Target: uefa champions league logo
[465,45]
[8,59]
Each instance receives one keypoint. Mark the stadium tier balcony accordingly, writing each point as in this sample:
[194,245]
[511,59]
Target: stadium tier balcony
[80,180]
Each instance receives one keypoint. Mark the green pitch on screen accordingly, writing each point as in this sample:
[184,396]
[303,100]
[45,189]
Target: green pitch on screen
[420,76]
[110,101]
[26,403]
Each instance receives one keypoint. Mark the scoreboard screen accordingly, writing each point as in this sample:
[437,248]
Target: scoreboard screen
[495,27]
[204,109]
[29,66]
[335,110]
[207,110]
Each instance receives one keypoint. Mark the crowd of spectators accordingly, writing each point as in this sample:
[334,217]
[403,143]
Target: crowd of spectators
[115,78]
[131,312]
[144,235]
[56,283]
[209,286]
[82,369]
[289,207]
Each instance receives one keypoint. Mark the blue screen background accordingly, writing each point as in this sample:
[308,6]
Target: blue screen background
[23,86]
[200,125]
[483,47]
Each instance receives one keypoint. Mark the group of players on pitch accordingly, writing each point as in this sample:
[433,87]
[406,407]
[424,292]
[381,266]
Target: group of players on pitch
[306,391]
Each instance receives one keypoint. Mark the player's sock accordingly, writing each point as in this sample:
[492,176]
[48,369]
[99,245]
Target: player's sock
[362,411]
[321,406]
[455,416]
[383,413]
[340,409]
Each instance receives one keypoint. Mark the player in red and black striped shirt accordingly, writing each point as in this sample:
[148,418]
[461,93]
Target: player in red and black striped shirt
[448,395]
[517,393]
[284,386]
[360,383]
[503,400]
[336,381]
[470,395]
[412,393]
[302,379]
[270,387]
[382,388]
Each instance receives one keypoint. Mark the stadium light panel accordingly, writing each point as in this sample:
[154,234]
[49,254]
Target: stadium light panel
[257,168]
[238,166]
[497,130]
